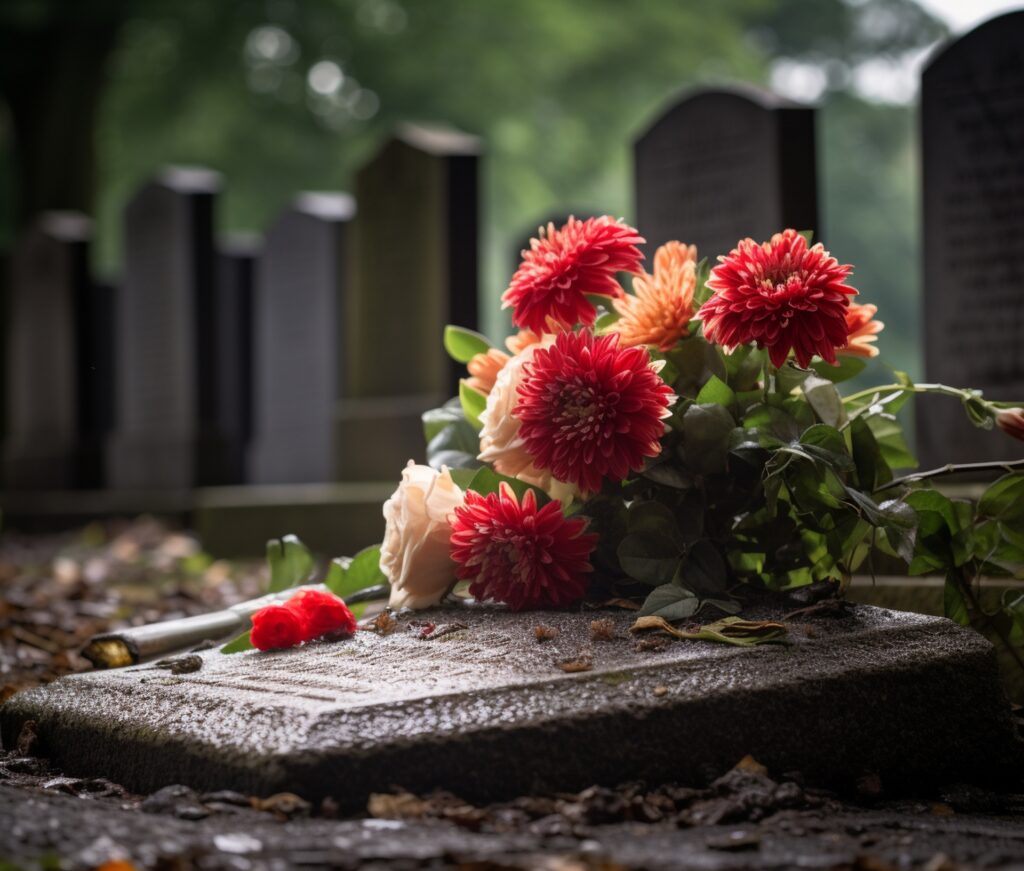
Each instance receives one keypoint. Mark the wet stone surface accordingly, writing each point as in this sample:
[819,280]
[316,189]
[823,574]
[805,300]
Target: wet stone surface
[474,701]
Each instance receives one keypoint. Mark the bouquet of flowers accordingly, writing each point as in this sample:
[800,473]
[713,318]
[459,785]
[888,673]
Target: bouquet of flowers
[683,442]
[670,449]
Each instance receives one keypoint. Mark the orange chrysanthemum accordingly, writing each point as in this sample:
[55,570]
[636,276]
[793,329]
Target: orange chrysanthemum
[562,267]
[524,338]
[863,330]
[484,369]
[660,311]
[783,296]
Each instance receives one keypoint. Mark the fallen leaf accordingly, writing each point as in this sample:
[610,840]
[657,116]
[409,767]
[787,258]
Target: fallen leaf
[749,763]
[388,806]
[545,633]
[729,630]
[583,662]
[602,630]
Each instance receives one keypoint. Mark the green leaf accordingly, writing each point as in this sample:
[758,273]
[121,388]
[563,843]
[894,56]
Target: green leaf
[437,419]
[1004,499]
[789,377]
[364,571]
[704,571]
[900,525]
[825,400]
[606,320]
[473,403]
[671,602]
[650,559]
[655,518]
[953,603]
[716,391]
[463,345]
[706,436]
[290,563]
[808,236]
[895,452]
[849,367]
[239,644]
[487,481]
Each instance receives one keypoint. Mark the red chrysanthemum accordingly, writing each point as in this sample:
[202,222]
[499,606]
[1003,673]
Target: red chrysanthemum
[782,295]
[589,409]
[276,627]
[321,613]
[562,266]
[519,555]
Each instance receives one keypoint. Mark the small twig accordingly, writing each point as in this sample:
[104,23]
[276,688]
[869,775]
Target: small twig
[955,468]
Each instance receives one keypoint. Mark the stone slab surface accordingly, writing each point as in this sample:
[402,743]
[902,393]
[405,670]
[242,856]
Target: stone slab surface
[486,713]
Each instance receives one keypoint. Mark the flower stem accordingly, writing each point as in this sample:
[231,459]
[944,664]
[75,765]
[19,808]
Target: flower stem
[953,469]
[943,389]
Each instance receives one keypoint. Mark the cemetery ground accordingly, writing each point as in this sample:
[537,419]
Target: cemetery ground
[60,589]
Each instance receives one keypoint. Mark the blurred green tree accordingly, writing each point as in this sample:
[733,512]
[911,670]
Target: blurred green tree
[283,95]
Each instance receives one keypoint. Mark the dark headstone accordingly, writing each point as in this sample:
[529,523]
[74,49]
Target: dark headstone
[482,709]
[972,144]
[300,286]
[414,270]
[58,359]
[236,270]
[721,165]
[168,432]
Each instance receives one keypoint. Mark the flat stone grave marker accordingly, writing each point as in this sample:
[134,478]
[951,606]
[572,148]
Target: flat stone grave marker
[300,287]
[469,700]
[58,368]
[721,165]
[414,269]
[169,434]
[972,152]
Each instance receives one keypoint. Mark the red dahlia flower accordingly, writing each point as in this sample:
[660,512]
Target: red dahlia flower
[562,266]
[513,553]
[276,627]
[589,409]
[782,295]
[322,614]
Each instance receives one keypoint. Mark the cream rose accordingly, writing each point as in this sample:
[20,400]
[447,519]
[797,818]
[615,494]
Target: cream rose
[415,554]
[500,443]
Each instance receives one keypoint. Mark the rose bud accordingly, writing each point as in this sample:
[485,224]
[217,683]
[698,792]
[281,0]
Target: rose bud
[321,613]
[276,628]
[1011,421]
[415,556]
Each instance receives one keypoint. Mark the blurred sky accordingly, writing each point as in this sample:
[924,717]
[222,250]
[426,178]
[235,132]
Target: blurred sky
[892,80]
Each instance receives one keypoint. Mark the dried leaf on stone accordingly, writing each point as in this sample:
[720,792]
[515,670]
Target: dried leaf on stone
[602,630]
[583,662]
[545,633]
[283,804]
[729,630]
[403,805]
[382,624]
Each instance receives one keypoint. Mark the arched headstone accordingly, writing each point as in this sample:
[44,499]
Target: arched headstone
[972,154]
[721,165]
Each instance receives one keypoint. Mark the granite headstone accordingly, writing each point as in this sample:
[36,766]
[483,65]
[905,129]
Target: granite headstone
[300,286]
[414,269]
[721,165]
[236,268]
[168,434]
[58,364]
[972,146]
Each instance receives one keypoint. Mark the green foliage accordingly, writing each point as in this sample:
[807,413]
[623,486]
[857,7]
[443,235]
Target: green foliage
[290,563]
[463,345]
[347,576]
[473,403]
[451,439]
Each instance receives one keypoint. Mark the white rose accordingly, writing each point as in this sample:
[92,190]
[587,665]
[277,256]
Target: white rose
[500,443]
[415,554]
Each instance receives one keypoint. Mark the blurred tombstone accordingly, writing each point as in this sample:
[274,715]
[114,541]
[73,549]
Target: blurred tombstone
[414,270]
[58,366]
[300,285]
[972,141]
[721,165]
[168,432]
[236,271]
